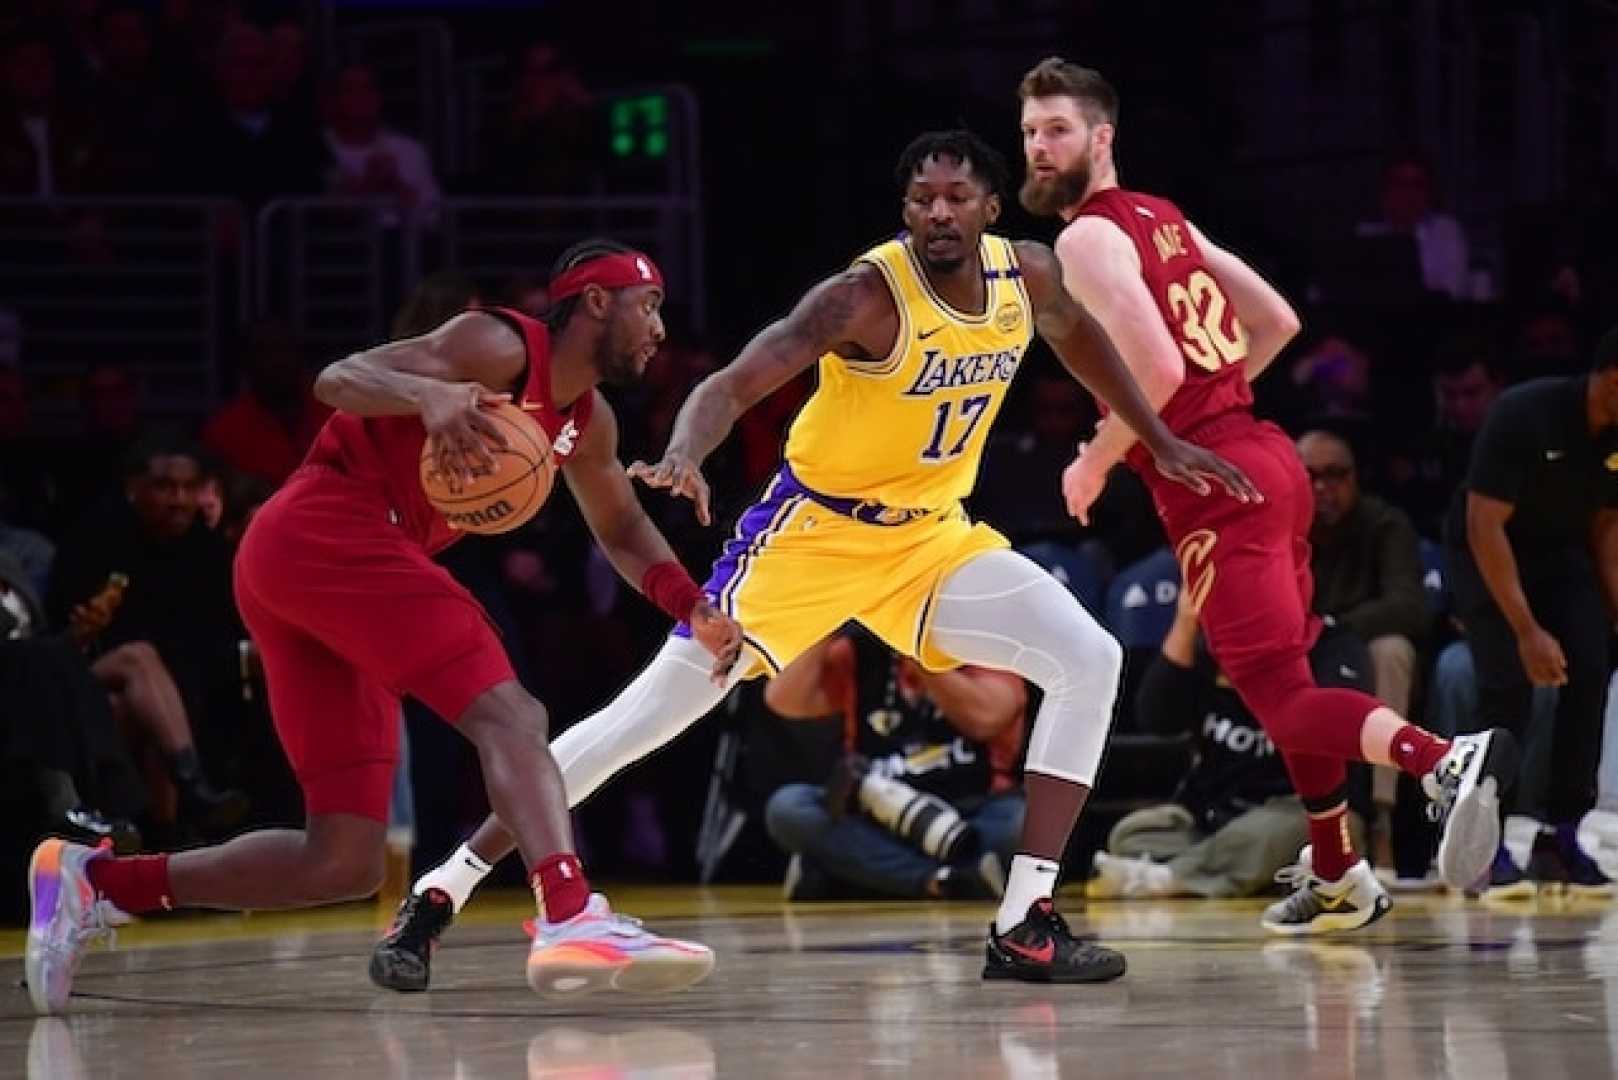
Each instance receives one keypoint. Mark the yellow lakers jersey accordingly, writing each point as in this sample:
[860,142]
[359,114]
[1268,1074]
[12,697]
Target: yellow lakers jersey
[908,430]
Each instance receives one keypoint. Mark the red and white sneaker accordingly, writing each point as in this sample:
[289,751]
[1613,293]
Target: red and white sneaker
[598,949]
[67,919]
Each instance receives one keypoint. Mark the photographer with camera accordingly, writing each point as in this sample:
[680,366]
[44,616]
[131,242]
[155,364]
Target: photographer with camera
[926,801]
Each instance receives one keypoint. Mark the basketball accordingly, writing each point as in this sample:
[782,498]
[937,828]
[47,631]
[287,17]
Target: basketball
[510,495]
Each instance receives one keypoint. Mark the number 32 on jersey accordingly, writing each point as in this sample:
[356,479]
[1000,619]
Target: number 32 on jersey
[1200,306]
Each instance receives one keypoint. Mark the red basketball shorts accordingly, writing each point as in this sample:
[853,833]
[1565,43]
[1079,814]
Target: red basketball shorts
[1247,564]
[349,615]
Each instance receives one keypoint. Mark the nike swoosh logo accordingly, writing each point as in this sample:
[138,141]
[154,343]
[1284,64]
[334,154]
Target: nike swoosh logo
[1041,955]
[925,334]
[1330,903]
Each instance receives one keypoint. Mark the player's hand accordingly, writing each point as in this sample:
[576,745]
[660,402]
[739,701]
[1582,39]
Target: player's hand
[720,635]
[1542,657]
[1199,469]
[1082,485]
[678,475]
[459,431]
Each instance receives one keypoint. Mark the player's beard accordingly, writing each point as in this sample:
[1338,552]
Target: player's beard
[1048,198]
[943,266]
[616,363]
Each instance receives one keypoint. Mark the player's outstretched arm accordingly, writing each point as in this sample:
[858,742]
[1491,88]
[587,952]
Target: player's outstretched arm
[843,313]
[445,376]
[1264,313]
[633,543]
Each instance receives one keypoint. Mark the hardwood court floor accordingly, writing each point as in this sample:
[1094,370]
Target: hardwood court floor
[1439,988]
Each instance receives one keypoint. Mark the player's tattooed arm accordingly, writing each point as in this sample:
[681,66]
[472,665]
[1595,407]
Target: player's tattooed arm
[851,313]
[1087,350]
[1105,281]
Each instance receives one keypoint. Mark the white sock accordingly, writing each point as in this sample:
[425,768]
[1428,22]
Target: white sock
[1032,878]
[457,876]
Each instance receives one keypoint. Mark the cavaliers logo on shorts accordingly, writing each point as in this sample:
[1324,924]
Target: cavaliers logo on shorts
[1197,572]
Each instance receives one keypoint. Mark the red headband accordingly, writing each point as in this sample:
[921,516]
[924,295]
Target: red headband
[619,270]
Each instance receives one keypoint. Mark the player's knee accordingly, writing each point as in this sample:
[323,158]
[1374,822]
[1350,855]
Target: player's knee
[1108,657]
[506,713]
[345,873]
[357,879]
[1092,659]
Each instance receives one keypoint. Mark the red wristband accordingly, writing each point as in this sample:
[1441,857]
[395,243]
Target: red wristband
[669,587]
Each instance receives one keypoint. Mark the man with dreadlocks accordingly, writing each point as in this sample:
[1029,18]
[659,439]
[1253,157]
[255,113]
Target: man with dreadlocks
[917,343]
[335,582]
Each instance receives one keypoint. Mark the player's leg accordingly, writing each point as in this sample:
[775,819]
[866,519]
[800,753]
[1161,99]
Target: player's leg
[674,691]
[579,944]
[1001,610]
[670,694]
[1336,888]
[1248,567]
[339,733]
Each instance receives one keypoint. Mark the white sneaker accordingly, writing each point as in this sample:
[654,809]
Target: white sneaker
[1465,788]
[1598,836]
[1128,878]
[598,949]
[67,918]
[1319,906]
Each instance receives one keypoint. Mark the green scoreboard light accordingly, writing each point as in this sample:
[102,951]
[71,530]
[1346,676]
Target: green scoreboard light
[640,127]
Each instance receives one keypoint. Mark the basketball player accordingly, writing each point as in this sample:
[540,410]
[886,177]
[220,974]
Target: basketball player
[1197,325]
[917,343]
[335,583]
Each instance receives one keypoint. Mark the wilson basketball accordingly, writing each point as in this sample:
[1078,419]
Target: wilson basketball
[510,495]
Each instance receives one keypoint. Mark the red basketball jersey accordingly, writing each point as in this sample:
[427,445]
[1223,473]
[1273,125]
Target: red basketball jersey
[1200,318]
[386,450]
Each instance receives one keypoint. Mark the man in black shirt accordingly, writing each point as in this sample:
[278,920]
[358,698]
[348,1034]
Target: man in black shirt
[1533,553]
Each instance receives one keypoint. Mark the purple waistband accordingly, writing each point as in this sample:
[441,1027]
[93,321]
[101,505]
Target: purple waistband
[868,511]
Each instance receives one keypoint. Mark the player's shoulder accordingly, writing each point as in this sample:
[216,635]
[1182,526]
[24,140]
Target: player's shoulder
[1089,244]
[860,287]
[1158,204]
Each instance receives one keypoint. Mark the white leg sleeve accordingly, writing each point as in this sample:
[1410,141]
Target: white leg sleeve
[671,694]
[1001,610]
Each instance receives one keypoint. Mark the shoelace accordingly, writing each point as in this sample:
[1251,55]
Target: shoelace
[1303,901]
[1055,924]
[411,927]
[626,925]
[93,926]
[1448,783]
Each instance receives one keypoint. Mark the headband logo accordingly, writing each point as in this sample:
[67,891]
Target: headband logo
[645,270]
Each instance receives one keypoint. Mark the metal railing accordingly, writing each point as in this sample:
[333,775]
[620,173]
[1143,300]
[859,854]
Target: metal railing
[331,267]
[152,285]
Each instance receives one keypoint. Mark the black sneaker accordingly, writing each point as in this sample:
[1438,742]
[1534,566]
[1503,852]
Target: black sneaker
[1042,949]
[402,960]
[1584,877]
